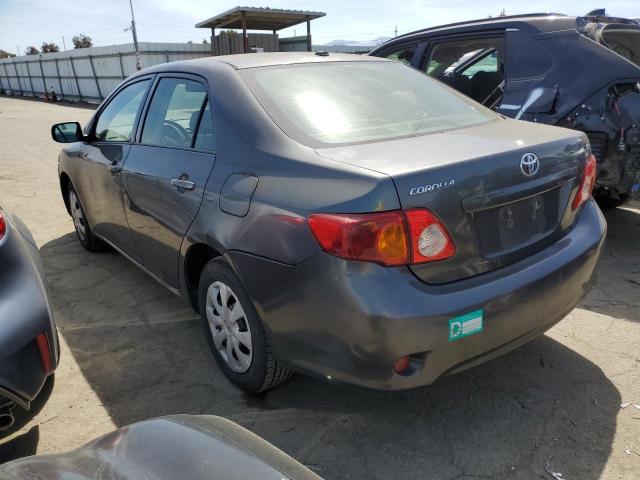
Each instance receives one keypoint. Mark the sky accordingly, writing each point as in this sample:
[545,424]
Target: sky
[24,22]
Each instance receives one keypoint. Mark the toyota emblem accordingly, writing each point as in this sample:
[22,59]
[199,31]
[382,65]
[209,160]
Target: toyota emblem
[529,164]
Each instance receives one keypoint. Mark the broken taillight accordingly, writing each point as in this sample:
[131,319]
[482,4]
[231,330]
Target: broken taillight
[586,183]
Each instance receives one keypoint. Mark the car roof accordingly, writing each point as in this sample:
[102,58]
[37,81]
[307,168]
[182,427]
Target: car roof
[253,60]
[543,22]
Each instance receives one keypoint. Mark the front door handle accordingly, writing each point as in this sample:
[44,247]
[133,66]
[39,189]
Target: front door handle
[180,183]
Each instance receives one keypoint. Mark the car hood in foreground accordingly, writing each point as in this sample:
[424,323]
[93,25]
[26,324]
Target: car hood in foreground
[175,447]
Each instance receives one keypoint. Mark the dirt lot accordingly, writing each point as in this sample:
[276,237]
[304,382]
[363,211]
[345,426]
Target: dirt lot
[131,350]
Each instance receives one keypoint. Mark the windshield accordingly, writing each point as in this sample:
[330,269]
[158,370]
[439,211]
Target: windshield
[348,102]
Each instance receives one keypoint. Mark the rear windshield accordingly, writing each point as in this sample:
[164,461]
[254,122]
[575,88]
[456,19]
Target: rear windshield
[351,102]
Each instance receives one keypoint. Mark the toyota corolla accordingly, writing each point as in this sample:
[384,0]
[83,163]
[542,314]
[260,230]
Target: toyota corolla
[342,216]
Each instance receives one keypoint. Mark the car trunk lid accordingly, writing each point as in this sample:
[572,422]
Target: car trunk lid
[473,181]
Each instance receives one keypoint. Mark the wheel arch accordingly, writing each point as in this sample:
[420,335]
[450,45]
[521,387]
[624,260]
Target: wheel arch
[195,259]
[65,181]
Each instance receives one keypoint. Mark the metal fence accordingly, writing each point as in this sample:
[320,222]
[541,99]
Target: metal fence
[88,74]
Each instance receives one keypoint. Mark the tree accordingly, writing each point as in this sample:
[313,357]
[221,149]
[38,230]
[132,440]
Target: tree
[82,41]
[5,54]
[50,47]
[205,42]
[31,50]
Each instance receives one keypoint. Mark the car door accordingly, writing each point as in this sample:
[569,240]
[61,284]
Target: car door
[167,169]
[99,178]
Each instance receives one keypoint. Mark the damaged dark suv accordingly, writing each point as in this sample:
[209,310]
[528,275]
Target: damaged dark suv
[576,72]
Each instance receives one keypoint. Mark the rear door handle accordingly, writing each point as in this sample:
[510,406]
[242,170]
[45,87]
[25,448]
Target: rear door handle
[184,184]
[115,169]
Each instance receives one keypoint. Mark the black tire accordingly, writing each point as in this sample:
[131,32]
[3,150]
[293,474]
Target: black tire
[264,371]
[87,239]
[607,201]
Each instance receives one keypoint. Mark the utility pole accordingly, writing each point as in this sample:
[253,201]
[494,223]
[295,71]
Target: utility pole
[396,30]
[64,45]
[18,49]
[135,38]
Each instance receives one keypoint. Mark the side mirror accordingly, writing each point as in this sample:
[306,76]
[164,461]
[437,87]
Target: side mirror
[541,100]
[67,132]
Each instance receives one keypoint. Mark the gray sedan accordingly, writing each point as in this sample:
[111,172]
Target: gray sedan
[337,215]
[28,337]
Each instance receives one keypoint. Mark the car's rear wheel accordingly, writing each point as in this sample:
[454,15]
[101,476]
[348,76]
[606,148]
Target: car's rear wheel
[235,333]
[87,239]
[607,200]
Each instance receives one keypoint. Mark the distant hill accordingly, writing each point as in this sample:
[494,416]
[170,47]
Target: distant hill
[354,43]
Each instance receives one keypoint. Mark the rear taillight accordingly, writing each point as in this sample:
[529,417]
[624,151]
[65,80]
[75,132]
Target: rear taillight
[3,225]
[429,237]
[388,238]
[586,184]
[370,237]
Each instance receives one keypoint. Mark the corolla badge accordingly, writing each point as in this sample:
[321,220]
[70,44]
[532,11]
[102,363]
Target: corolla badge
[529,164]
[432,187]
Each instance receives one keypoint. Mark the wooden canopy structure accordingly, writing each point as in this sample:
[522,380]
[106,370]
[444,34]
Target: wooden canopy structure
[254,18]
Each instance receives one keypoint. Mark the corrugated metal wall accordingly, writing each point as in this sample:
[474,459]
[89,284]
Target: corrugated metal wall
[231,43]
[87,74]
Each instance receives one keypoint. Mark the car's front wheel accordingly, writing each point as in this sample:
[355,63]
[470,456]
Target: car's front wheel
[86,237]
[236,335]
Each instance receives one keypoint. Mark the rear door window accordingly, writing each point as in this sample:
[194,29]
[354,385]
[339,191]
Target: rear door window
[206,136]
[174,113]
[475,67]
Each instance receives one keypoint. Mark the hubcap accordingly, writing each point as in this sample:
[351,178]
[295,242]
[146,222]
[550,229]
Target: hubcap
[229,327]
[77,215]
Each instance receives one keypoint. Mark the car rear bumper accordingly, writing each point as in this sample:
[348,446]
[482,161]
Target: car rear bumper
[24,314]
[350,321]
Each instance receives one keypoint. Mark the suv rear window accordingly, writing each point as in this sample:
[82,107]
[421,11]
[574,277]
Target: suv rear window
[351,102]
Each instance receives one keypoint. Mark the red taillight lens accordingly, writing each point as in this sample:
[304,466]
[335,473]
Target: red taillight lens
[429,237]
[45,353]
[373,237]
[389,238]
[587,182]
[3,225]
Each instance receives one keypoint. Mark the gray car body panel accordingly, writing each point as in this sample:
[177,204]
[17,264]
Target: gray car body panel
[185,447]
[24,313]
[326,316]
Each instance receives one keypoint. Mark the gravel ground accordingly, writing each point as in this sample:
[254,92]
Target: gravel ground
[131,351]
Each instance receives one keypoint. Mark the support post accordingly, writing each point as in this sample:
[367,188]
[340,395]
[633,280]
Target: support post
[15,69]
[95,78]
[213,39]
[121,66]
[73,70]
[245,39]
[44,84]
[33,94]
[308,33]
[1,83]
[166,56]
[59,79]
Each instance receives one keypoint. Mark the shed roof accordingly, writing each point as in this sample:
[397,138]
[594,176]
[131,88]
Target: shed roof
[259,18]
